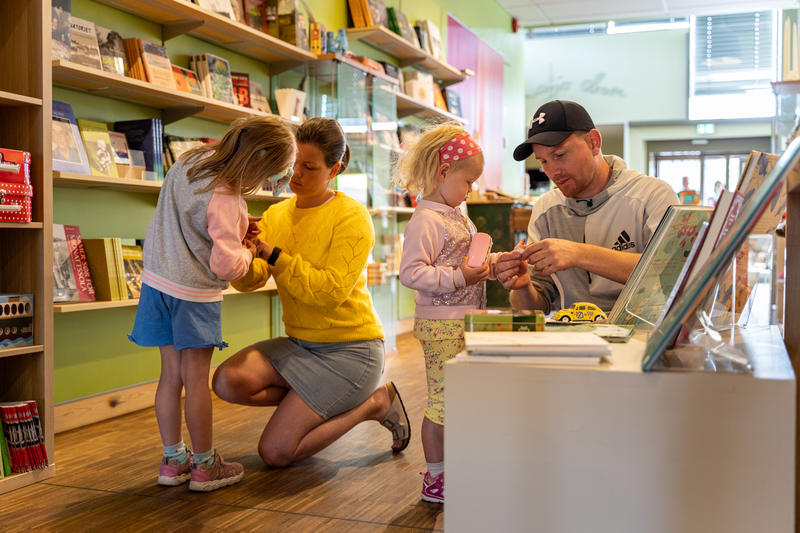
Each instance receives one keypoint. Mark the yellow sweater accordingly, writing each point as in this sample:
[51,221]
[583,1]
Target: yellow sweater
[320,273]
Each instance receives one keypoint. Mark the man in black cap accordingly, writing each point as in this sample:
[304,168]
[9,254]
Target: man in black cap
[586,235]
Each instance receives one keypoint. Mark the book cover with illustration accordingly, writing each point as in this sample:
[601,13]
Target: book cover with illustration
[157,66]
[112,51]
[83,43]
[186,80]
[69,154]
[219,73]
[60,49]
[98,148]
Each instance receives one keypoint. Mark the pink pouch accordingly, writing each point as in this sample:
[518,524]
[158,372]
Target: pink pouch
[479,249]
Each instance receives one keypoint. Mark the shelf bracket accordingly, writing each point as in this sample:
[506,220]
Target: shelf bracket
[174,114]
[174,29]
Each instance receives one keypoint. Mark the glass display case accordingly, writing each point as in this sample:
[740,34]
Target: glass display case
[365,106]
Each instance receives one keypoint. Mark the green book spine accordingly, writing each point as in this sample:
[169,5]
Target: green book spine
[4,458]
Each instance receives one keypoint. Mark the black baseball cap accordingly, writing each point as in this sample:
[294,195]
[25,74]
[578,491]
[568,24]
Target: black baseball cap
[552,123]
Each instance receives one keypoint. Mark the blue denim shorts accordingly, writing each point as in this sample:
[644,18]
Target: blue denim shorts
[162,320]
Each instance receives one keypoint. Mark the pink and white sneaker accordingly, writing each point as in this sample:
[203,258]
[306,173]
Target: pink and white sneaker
[218,474]
[172,473]
[433,488]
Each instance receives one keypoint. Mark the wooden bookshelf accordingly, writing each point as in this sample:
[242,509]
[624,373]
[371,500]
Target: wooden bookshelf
[26,372]
[407,105]
[21,350]
[175,105]
[72,307]
[87,181]
[15,100]
[178,17]
[387,41]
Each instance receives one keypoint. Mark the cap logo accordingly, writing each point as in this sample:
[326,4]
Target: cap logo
[539,120]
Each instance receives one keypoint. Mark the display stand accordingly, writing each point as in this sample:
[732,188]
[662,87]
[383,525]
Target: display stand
[612,449]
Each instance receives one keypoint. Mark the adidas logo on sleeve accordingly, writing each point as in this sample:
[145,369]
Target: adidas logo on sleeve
[624,242]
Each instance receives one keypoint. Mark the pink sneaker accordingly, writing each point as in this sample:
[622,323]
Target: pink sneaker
[433,488]
[172,473]
[206,478]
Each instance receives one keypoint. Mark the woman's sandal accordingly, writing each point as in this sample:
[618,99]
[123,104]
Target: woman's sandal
[396,419]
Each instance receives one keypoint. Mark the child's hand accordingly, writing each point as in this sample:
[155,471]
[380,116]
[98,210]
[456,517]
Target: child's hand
[251,246]
[252,227]
[473,275]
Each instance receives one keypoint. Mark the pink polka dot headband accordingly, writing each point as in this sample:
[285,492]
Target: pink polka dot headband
[461,147]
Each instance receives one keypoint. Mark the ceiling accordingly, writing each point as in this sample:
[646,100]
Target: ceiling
[555,12]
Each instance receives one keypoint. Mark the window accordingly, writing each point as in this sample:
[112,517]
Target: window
[703,170]
[732,61]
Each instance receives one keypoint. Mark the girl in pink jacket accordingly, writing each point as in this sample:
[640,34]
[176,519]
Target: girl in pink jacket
[441,166]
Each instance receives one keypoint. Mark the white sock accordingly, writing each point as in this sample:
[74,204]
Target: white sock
[434,469]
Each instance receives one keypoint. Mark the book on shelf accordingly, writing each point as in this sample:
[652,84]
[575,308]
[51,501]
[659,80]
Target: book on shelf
[220,7]
[377,13]
[72,281]
[23,436]
[69,155]
[219,75]
[133,264]
[422,37]
[5,459]
[108,271]
[112,51]
[177,146]
[241,88]
[357,9]
[438,98]
[292,27]
[83,43]
[258,99]
[186,80]
[60,48]
[453,101]
[648,287]
[156,64]
[540,347]
[145,135]
[406,29]
[200,67]
[434,38]
[255,14]
[98,148]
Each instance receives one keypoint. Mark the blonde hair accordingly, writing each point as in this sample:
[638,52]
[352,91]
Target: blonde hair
[419,165]
[251,151]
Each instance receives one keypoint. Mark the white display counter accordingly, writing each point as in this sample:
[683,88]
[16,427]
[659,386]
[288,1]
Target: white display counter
[611,449]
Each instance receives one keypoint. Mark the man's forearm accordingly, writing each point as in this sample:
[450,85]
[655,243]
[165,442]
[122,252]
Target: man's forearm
[610,264]
[527,298]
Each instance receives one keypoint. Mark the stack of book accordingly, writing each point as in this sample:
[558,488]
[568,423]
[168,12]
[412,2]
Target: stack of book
[22,446]
[149,62]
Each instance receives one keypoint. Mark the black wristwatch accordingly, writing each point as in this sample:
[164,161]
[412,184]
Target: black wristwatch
[274,255]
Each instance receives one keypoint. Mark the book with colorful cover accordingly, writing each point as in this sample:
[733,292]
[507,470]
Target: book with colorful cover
[80,264]
[134,264]
[69,155]
[258,100]
[5,460]
[241,88]
[98,148]
[112,51]
[60,48]
[83,43]
[255,14]
[156,63]
[649,285]
[219,73]
[145,135]
[65,284]
[186,80]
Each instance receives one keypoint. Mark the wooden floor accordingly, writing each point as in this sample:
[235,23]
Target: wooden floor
[106,472]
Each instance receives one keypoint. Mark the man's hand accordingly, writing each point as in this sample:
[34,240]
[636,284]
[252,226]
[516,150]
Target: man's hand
[511,270]
[549,256]
[473,275]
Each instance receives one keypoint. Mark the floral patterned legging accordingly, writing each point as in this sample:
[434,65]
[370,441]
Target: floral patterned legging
[441,340]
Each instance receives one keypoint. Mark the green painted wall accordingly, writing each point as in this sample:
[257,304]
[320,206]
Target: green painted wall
[92,352]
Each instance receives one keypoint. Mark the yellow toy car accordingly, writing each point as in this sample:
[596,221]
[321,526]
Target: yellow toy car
[580,312]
